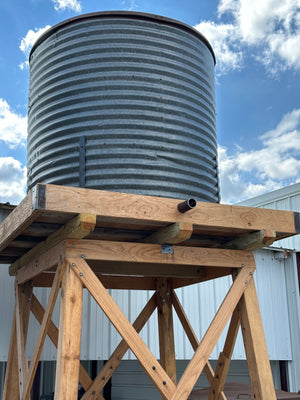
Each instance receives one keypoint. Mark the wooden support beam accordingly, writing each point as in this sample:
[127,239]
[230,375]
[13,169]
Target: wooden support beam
[77,228]
[38,311]
[166,328]
[253,241]
[172,234]
[223,363]
[149,270]
[207,274]
[23,300]
[151,366]
[45,262]
[208,370]
[255,346]
[43,331]
[17,220]
[11,387]
[200,358]
[115,359]
[68,354]
[155,254]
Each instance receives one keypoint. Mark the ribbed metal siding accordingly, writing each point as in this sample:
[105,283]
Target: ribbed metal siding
[139,92]
[287,199]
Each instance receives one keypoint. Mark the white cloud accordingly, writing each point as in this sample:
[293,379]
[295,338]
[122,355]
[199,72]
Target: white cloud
[28,41]
[129,5]
[61,5]
[224,40]
[275,164]
[270,28]
[12,180]
[13,127]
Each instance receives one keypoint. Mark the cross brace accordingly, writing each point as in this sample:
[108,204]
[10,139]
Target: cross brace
[72,270]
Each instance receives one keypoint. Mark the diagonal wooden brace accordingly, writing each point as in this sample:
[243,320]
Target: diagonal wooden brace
[200,358]
[43,331]
[208,370]
[151,366]
[115,359]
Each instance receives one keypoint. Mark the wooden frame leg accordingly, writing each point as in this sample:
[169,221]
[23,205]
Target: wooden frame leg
[11,389]
[68,353]
[255,346]
[38,311]
[166,328]
[23,302]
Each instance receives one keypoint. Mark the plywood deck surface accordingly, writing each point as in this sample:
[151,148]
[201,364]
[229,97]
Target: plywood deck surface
[132,218]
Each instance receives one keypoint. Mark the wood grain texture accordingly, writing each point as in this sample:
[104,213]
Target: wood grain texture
[68,352]
[77,228]
[111,365]
[23,301]
[255,346]
[17,220]
[38,311]
[45,262]
[152,254]
[222,368]
[200,358]
[43,331]
[253,241]
[208,370]
[11,387]
[151,366]
[132,208]
[166,327]
[172,234]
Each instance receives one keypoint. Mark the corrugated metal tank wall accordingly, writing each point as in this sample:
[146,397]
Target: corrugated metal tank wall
[125,102]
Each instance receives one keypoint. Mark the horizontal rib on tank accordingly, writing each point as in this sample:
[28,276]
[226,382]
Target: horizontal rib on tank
[140,92]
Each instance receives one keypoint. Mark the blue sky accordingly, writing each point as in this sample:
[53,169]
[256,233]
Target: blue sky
[257,46]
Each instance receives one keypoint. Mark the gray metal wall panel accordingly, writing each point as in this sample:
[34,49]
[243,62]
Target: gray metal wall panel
[7,303]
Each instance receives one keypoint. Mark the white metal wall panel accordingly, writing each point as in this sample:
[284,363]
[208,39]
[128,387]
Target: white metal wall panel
[294,318]
[287,199]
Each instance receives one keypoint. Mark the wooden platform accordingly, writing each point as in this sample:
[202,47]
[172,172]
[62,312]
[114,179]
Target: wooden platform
[72,238]
[132,218]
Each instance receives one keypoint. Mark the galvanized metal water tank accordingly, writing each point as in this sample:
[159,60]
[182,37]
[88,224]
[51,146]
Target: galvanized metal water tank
[124,101]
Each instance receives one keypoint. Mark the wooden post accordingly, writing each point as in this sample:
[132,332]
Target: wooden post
[23,302]
[165,327]
[68,353]
[255,346]
[11,387]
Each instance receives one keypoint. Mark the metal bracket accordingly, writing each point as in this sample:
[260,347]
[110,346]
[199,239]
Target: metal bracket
[167,249]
